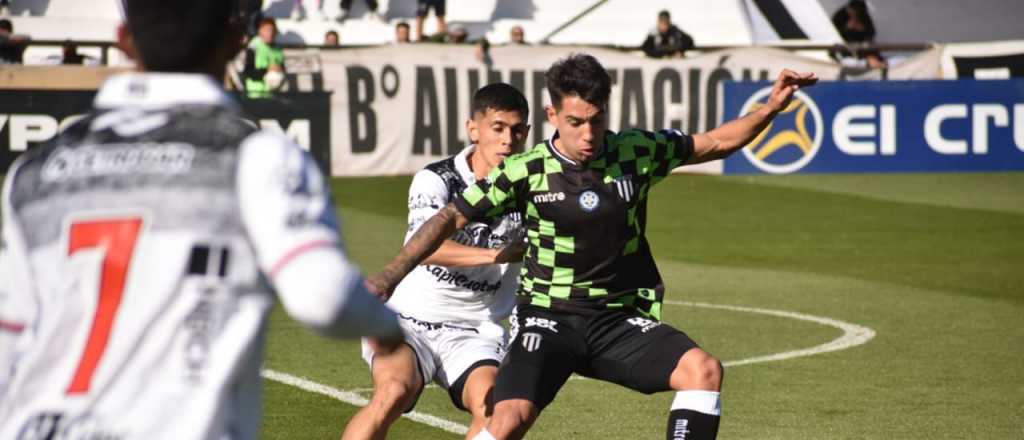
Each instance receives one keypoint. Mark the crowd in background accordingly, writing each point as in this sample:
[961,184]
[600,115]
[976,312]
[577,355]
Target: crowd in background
[261,71]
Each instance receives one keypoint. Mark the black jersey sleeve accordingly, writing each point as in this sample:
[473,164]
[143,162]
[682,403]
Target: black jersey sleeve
[672,149]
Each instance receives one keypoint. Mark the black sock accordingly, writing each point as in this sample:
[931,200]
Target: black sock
[687,424]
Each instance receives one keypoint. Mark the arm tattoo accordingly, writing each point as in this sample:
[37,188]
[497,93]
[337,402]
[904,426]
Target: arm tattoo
[422,244]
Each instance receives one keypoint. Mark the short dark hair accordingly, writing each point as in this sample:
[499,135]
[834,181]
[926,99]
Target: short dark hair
[501,97]
[6,25]
[579,75]
[401,24]
[335,33]
[176,36]
[664,15]
[267,20]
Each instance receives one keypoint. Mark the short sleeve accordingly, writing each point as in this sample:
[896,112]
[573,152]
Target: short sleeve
[672,148]
[495,195]
[427,195]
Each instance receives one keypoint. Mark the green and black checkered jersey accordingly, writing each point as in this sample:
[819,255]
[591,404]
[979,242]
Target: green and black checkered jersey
[585,223]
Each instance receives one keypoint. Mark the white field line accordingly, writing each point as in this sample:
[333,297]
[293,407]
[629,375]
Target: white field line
[853,335]
[357,400]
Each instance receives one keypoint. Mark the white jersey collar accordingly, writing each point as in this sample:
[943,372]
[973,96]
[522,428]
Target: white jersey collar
[462,164]
[158,90]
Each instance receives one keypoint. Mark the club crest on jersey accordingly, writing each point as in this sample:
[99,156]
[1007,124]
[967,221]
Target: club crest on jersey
[531,341]
[589,200]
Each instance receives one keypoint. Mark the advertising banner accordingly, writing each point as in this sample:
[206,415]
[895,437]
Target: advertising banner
[31,117]
[885,126]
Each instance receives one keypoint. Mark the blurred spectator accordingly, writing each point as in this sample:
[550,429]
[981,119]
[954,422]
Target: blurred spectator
[12,47]
[423,8]
[667,40]
[264,63]
[516,35]
[5,8]
[299,10]
[402,32]
[483,52]
[346,7]
[332,39]
[458,35]
[70,54]
[855,26]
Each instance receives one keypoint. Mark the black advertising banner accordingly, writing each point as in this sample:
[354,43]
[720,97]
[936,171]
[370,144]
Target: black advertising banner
[31,117]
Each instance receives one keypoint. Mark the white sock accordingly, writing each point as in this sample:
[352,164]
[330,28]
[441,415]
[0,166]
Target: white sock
[484,435]
[705,402]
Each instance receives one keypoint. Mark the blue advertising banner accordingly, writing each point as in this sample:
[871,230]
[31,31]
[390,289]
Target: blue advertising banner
[885,126]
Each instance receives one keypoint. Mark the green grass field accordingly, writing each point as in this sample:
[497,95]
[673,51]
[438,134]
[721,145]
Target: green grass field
[933,263]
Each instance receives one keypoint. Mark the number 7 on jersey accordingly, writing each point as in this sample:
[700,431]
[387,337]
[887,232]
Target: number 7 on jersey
[117,238]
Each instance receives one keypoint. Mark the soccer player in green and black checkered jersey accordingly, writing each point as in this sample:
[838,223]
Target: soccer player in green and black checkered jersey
[590,294]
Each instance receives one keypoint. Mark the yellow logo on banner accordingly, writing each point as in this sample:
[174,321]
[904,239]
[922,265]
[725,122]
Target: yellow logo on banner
[789,142]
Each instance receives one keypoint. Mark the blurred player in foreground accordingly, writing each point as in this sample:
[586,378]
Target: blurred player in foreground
[148,239]
[590,294]
[452,305]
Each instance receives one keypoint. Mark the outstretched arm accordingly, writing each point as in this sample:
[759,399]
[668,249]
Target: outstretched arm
[728,138]
[422,244]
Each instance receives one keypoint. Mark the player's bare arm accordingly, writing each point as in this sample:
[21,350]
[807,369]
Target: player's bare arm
[455,254]
[728,138]
[422,244]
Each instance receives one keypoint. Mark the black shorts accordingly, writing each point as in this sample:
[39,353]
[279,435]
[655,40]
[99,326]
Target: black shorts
[423,7]
[617,346]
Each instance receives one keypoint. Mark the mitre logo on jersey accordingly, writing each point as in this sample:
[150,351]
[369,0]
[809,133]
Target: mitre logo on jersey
[589,200]
[548,197]
[791,140]
[531,341]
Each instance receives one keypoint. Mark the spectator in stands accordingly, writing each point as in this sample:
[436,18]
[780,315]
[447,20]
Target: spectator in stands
[667,40]
[458,35]
[402,32]
[12,47]
[517,36]
[332,39]
[346,7]
[5,8]
[264,64]
[482,51]
[855,26]
[70,54]
[423,8]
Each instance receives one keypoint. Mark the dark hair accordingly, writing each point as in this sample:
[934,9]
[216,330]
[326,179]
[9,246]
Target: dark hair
[6,25]
[664,15]
[501,97]
[177,36]
[402,24]
[335,33]
[579,75]
[267,20]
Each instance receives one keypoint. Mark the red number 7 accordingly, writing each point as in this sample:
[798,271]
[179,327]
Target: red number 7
[117,237]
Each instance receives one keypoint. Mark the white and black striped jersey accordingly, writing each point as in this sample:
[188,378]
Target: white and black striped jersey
[143,246]
[439,293]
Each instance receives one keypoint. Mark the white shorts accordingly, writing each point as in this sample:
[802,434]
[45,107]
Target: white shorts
[445,351]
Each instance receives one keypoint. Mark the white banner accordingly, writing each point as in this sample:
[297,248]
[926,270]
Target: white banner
[397,108]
